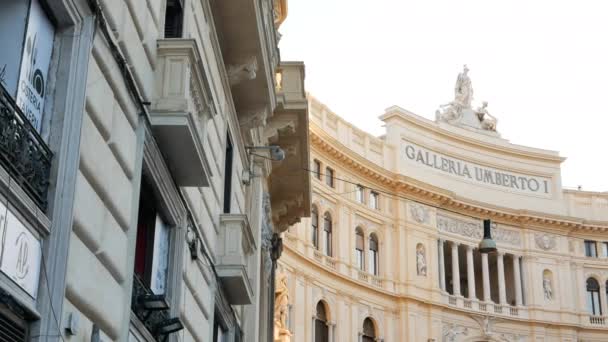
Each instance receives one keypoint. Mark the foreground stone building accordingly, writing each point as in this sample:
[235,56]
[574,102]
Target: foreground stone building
[145,152]
[390,252]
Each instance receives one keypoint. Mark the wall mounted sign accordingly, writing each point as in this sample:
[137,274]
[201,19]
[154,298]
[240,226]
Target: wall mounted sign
[35,61]
[476,173]
[20,252]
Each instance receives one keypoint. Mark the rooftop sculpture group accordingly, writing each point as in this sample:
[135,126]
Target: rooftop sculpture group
[459,111]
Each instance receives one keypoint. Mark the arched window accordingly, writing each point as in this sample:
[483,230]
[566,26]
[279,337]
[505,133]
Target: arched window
[327,233]
[593,297]
[369,331]
[373,254]
[321,330]
[315,227]
[360,255]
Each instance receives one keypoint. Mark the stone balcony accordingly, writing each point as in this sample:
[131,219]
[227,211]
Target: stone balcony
[491,308]
[181,110]
[290,186]
[236,244]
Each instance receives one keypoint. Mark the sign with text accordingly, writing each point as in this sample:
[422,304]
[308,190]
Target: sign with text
[476,173]
[20,252]
[36,58]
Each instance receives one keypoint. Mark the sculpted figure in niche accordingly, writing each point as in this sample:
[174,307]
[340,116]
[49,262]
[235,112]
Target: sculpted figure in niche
[420,260]
[547,286]
[281,302]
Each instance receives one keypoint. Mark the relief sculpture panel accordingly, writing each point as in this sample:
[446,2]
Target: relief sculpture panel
[474,229]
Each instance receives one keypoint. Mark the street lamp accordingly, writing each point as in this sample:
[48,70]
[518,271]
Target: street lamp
[487,245]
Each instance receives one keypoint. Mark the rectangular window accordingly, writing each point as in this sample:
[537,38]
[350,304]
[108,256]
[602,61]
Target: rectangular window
[174,18]
[152,244]
[329,177]
[359,191]
[317,169]
[27,36]
[373,262]
[590,249]
[228,175]
[373,200]
[359,250]
[605,244]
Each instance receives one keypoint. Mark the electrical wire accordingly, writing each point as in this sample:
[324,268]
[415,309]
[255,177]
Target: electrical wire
[395,195]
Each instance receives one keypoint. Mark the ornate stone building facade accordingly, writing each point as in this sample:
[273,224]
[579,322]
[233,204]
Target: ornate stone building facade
[145,151]
[390,252]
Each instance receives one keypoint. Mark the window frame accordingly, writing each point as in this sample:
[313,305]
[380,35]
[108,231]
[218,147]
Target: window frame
[360,193]
[360,250]
[374,260]
[591,249]
[327,232]
[329,176]
[314,225]
[594,301]
[317,169]
[374,200]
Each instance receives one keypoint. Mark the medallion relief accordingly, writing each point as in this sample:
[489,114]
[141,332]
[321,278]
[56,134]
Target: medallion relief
[419,213]
[545,241]
[474,229]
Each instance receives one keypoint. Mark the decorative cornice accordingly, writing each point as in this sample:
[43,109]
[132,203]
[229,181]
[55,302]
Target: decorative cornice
[413,189]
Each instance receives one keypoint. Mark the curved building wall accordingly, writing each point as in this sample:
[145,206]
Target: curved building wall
[424,279]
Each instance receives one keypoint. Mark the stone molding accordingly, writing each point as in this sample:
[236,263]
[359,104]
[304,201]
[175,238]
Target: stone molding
[474,229]
[403,185]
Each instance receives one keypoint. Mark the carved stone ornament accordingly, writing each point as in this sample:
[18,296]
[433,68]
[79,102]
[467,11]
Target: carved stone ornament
[474,230]
[451,332]
[281,308]
[244,71]
[545,241]
[459,111]
[419,213]
[267,232]
[547,287]
[420,261]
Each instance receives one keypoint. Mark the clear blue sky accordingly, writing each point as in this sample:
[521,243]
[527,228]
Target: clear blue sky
[541,65]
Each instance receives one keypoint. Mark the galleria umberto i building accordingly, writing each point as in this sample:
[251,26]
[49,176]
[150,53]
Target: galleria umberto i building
[391,250]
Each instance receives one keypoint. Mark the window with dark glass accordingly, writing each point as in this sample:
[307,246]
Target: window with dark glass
[329,177]
[152,244]
[174,18]
[369,331]
[359,254]
[359,193]
[373,200]
[373,254]
[317,169]
[220,333]
[228,175]
[590,249]
[321,329]
[327,225]
[593,297]
[314,229]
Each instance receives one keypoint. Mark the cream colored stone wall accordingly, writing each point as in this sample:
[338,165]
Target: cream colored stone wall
[546,233]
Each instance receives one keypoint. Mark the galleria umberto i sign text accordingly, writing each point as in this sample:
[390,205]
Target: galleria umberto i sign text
[477,173]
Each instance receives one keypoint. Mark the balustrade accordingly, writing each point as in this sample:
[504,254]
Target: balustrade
[23,153]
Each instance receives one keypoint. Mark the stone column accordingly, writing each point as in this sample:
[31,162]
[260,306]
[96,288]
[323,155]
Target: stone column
[517,279]
[470,272]
[502,292]
[455,270]
[485,272]
[330,332]
[441,265]
[312,337]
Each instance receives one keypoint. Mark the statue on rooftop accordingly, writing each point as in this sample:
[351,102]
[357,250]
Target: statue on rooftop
[463,90]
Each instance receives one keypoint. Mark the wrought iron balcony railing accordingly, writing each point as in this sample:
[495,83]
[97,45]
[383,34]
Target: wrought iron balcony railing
[149,318]
[23,153]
